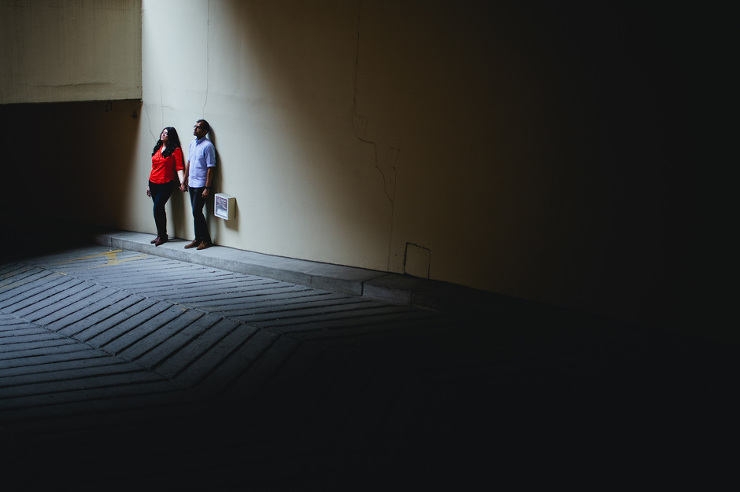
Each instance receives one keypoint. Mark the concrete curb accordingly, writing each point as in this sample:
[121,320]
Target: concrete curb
[377,285]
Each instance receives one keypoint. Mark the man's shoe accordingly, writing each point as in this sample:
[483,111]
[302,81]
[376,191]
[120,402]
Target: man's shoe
[204,245]
[160,240]
[154,240]
[194,244]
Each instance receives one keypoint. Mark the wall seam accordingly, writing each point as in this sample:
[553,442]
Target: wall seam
[208,56]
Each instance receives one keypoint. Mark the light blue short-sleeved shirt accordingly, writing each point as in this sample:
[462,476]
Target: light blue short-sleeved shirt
[202,155]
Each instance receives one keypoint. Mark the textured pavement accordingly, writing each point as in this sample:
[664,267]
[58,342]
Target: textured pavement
[134,368]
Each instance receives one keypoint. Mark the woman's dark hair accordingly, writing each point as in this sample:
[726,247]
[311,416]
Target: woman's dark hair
[173,142]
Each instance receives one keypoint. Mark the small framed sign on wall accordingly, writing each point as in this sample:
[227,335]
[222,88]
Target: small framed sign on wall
[224,206]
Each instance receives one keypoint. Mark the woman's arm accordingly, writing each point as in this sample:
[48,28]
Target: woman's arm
[185,174]
[180,168]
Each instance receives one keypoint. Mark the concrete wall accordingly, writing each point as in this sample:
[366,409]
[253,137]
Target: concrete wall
[69,50]
[515,147]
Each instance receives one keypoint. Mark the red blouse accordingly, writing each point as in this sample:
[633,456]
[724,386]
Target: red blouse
[164,169]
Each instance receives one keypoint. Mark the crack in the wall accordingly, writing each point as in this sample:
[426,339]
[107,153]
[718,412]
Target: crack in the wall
[145,109]
[385,156]
[385,163]
[388,160]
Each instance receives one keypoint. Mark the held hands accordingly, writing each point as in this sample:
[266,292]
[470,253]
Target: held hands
[184,187]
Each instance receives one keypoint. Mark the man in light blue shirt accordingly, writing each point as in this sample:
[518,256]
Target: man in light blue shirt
[199,175]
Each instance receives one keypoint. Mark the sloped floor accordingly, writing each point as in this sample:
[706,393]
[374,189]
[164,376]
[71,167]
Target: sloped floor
[122,370]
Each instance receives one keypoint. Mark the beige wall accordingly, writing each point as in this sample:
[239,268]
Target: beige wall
[69,50]
[276,82]
[519,150]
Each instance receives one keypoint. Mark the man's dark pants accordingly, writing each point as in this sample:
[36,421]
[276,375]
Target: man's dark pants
[199,220]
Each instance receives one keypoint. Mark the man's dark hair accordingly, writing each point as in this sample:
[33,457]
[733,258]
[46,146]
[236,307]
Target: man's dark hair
[206,125]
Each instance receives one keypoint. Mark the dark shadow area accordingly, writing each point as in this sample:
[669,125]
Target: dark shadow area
[216,187]
[179,207]
[26,238]
[70,164]
[581,129]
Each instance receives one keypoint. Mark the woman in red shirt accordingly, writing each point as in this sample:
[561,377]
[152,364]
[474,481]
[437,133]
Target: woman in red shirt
[168,172]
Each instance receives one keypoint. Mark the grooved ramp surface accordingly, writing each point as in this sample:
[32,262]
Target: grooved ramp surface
[122,370]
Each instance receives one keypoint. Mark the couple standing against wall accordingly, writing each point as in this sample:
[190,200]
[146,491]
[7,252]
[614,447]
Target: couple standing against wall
[196,176]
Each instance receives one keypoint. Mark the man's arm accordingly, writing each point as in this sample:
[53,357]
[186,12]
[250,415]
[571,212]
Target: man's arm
[209,180]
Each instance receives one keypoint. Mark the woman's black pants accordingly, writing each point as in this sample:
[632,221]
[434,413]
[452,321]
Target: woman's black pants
[160,194]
